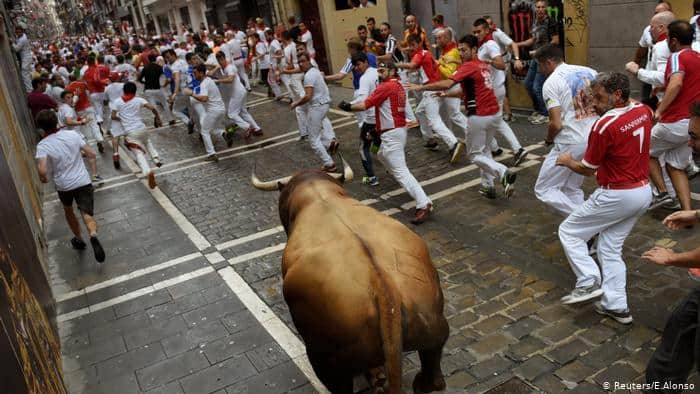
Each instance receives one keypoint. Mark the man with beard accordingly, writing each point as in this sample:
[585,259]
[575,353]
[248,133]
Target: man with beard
[618,155]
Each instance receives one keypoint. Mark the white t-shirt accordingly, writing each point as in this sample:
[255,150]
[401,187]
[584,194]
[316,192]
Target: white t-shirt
[307,39]
[234,49]
[261,49]
[502,39]
[214,103]
[368,83]
[568,88]
[182,67]
[489,51]
[314,79]
[114,91]
[128,69]
[62,151]
[181,53]
[696,28]
[130,113]
[290,56]
[65,111]
[227,89]
[275,49]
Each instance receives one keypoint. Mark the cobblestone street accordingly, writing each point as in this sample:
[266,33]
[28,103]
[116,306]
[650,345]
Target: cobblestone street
[189,299]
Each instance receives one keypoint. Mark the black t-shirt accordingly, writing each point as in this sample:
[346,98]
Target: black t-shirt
[295,32]
[150,76]
[543,31]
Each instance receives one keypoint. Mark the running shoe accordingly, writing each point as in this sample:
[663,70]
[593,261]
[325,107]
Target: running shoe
[96,179]
[539,119]
[623,317]
[422,214]
[431,144]
[520,155]
[333,147]
[100,147]
[581,294]
[329,168]
[258,132]
[151,180]
[660,199]
[497,152]
[97,248]
[488,192]
[692,170]
[533,115]
[507,181]
[213,157]
[78,243]
[456,151]
[228,137]
[508,117]
[116,162]
[370,180]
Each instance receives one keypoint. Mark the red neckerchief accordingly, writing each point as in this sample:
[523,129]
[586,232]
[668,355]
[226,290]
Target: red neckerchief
[662,37]
[486,39]
[128,97]
[450,46]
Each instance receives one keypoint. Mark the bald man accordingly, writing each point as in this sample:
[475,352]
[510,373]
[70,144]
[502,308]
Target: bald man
[646,43]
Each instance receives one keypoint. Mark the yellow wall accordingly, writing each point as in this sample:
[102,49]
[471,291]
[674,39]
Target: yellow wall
[683,9]
[339,26]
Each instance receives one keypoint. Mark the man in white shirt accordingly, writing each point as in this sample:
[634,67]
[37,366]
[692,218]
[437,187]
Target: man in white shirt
[369,139]
[234,54]
[113,92]
[179,101]
[214,112]
[653,73]
[315,103]
[67,117]
[59,154]
[643,52]
[507,46]
[568,99]
[490,53]
[291,77]
[125,68]
[24,51]
[307,39]
[237,111]
[127,111]
[274,52]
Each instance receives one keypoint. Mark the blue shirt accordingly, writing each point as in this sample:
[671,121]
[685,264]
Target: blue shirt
[192,82]
[169,75]
[371,59]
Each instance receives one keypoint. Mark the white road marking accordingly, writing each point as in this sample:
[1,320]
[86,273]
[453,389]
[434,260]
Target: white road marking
[126,277]
[134,294]
[214,258]
[248,238]
[272,324]
[257,253]
[195,236]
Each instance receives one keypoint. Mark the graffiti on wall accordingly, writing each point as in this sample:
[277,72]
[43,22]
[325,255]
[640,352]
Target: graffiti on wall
[521,17]
[576,23]
[33,344]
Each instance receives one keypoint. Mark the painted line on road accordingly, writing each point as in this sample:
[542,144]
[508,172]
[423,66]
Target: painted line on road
[248,238]
[272,324]
[134,294]
[188,228]
[258,253]
[126,277]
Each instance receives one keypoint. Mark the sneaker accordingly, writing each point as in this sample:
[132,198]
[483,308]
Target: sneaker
[623,317]
[370,180]
[456,151]
[674,205]
[96,179]
[303,137]
[100,147]
[694,274]
[508,180]
[228,137]
[258,132]
[692,170]
[497,152]
[581,294]
[116,162]
[77,243]
[533,115]
[172,122]
[159,163]
[660,199]
[213,157]
[190,127]
[508,117]
[593,245]
[422,214]
[97,248]
[539,119]
[488,192]
[330,168]
[151,180]
[431,144]
[333,147]
[520,155]
[410,125]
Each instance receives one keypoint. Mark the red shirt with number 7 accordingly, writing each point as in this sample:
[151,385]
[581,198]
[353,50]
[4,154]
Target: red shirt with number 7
[618,145]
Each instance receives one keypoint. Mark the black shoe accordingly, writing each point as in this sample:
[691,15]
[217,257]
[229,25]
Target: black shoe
[497,152]
[78,244]
[100,147]
[117,163]
[622,317]
[508,180]
[519,157]
[431,144]
[228,137]
[488,192]
[659,200]
[97,248]
[190,127]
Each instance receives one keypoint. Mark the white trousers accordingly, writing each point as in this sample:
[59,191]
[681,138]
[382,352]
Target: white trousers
[90,129]
[26,70]
[450,108]
[428,114]
[319,136]
[240,67]
[156,98]
[481,129]
[238,112]
[391,154]
[669,141]
[295,88]
[180,105]
[140,144]
[503,128]
[558,186]
[410,115]
[97,101]
[211,122]
[611,214]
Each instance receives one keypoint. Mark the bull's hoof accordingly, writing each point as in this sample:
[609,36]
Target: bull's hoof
[426,384]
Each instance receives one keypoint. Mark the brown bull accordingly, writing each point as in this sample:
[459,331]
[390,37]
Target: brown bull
[360,286]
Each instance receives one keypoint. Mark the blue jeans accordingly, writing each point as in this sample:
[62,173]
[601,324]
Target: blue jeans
[533,83]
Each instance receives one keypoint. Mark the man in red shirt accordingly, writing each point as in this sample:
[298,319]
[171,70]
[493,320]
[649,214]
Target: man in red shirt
[97,79]
[425,70]
[670,134]
[483,114]
[84,109]
[618,154]
[389,102]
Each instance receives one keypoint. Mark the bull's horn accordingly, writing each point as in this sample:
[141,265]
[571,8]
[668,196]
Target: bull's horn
[347,174]
[269,185]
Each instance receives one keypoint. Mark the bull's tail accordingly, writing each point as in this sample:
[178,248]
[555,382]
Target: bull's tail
[389,305]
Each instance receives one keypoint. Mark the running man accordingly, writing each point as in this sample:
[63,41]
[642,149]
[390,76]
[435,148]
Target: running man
[59,153]
[618,155]
[211,120]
